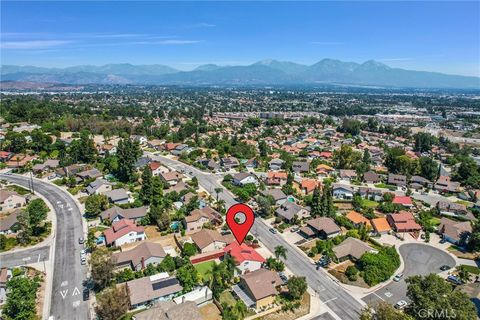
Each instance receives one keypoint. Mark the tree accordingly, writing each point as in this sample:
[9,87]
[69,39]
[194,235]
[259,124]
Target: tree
[424,142]
[464,274]
[21,299]
[217,192]
[24,229]
[297,286]
[378,267]
[189,249]
[167,264]
[37,213]
[474,239]
[146,192]
[112,303]
[102,267]
[157,191]
[352,273]
[428,168]
[351,126]
[281,252]
[316,203]
[435,294]
[128,152]
[346,158]
[95,204]
[187,275]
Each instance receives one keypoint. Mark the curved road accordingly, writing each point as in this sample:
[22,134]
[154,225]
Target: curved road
[419,259]
[68,273]
[344,305]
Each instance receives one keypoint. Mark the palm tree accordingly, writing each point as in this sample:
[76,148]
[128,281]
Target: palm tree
[281,251]
[463,274]
[230,265]
[240,309]
[218,191]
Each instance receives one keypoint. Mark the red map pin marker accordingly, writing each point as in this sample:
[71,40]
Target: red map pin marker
[240,230]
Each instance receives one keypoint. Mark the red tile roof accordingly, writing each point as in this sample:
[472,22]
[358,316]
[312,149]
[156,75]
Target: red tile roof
[403,200]
[120,229]
[243,253]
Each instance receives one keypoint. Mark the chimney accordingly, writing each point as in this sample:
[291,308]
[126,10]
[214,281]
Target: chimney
[143,262]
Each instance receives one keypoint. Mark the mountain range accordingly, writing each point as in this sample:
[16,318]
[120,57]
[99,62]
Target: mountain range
[265,72]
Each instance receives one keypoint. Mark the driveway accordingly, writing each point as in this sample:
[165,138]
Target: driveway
[419,259]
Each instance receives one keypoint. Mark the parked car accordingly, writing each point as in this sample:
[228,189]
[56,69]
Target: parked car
[81,240]
[454,280]
[86,294]
[83,260]
[283,276]
[272,230]
[445,267]
[401,304]
[294,229]
[398,277]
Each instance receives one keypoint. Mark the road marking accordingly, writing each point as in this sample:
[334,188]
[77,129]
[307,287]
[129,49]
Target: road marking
[388,294]
[76,303]
[27,259]
[64,293]
[75,292]
[60,206]
[38,260]
[379,296]
[59,202]
[64,283]
[70,209]
[329,300]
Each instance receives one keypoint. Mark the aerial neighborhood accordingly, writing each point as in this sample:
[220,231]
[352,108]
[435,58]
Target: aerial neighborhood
[348,203]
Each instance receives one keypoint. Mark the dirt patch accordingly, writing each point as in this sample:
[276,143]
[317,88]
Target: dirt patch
[210,312]
[463,254]
[154,236]
[304,309]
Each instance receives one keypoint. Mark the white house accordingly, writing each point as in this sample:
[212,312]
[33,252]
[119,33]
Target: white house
[246,258]
[10,200]
[243,178]
[342,191]
[122,232]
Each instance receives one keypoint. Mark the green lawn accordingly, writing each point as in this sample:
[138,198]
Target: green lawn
[471,269]
[227,298]
[203,268]
[369,203]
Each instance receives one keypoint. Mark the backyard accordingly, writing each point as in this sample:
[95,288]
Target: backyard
[204,269]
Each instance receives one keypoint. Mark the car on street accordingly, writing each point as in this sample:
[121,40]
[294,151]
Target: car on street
[83,260]
[272,230]
[454,280]
[445,267]
[398,277]
[283,276]
[401,304]
[294,229]
[86,294]
[81,240]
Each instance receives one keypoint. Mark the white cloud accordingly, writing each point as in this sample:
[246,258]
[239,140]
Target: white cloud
[168,42]
[33,44]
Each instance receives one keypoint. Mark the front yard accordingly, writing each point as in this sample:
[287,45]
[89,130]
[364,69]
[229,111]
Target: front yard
[304,309]
[204,270]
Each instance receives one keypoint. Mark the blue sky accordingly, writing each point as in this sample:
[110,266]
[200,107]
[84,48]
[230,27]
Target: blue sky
[432,36]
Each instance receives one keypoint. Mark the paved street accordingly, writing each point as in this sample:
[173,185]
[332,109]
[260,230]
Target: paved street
[419,259]
[68,273]
[8,260]
[333,295]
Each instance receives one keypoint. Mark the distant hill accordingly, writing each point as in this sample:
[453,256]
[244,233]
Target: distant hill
[265,72]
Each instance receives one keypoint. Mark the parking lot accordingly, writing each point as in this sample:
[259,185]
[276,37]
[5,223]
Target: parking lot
[419,259]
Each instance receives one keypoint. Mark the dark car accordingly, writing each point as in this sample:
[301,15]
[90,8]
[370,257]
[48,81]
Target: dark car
[445,267]
[86,294]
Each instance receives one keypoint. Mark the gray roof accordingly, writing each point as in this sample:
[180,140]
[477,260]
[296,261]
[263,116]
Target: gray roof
[146,289]
[94,185]
[276,193]
[117,194]
[351,247]
[289,209]
[132,213]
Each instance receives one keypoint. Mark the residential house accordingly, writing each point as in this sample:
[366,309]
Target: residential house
[118,196]
[452,209]
[169,310]
[397,180]
[276,164]
[371,177]
[289,211]
[89,174]
[324,170]
[99,186]
[148,290]
[258,289]
[322,227]
[417,182]
[5,156]
[300,166]
[19,160]
[69,171]
[50,164]
[456,232]
[208,240]
[198,217]
[157,168]
[11,200]
[229,163]
[251,163]
[5,275]
[341,191]
[122,232]
[403,222]
[115,214]
[139,257]
[243,178]
[357,219]
[142,162]
[307,186]
[371,193]
[155,144]
[445,185]
[140,139]
[171,178]
[9,221]
[277,178]
[246,258]
[277,194]
[404,201]
[352,249]
[348,175]
[381,226]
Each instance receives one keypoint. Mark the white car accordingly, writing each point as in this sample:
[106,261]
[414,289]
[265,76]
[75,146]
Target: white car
[398,277]
[401,304]
[83,261]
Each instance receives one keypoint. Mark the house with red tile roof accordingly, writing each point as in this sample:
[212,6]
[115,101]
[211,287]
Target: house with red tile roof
[403,222]
[246,258]
[277,178]
[357,219]
[122,232]
[405,201]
